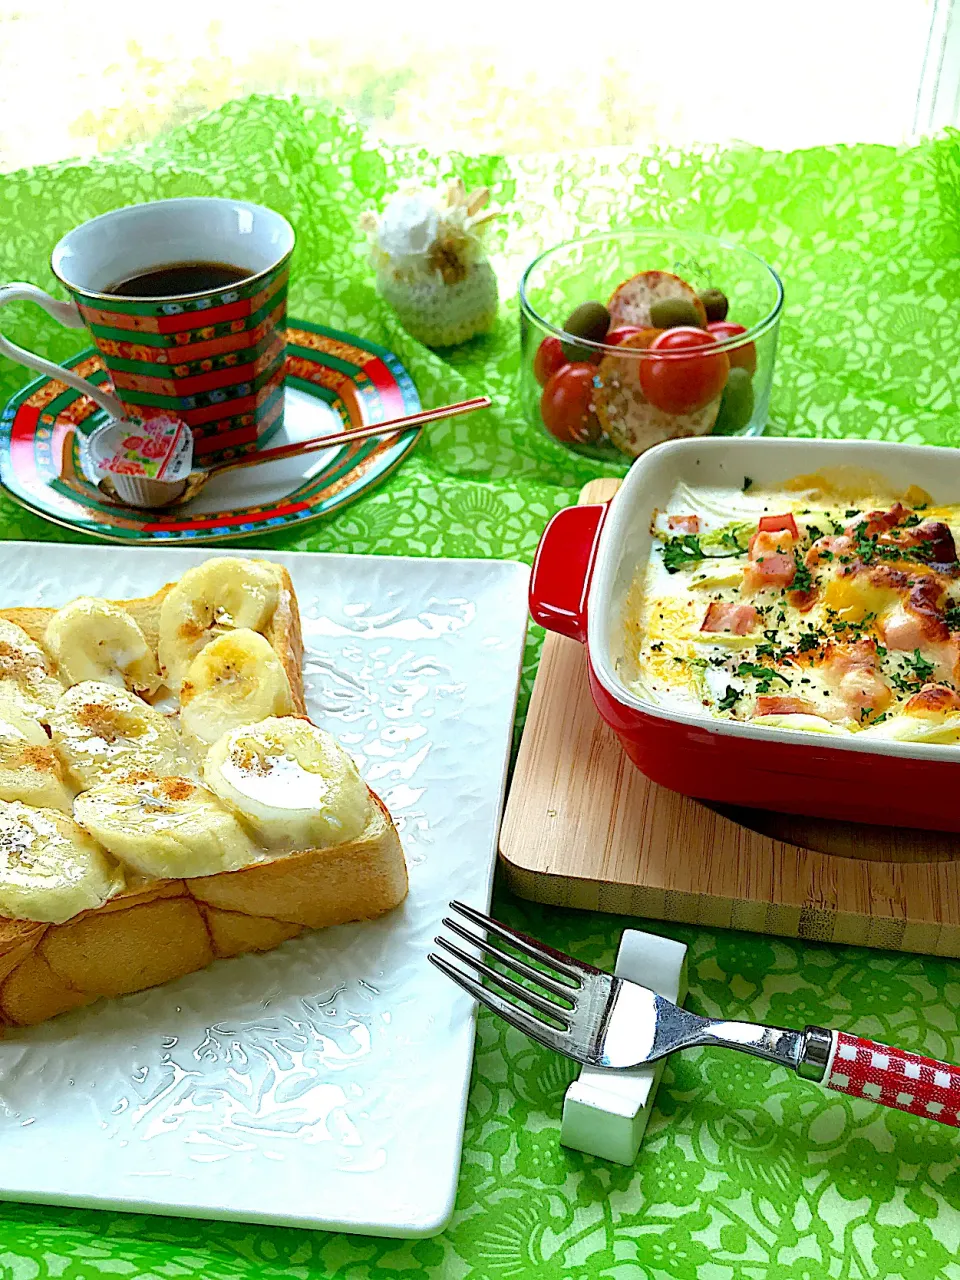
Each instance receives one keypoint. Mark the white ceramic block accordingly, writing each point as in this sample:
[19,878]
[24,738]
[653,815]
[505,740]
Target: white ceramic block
[605,1113]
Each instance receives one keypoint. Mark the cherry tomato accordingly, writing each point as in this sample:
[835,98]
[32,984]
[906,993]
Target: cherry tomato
[616,336]
[548,360]
[688,378]
[744,357]
[566,405]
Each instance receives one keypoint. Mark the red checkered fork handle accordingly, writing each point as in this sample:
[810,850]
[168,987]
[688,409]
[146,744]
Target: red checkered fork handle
[907,1081]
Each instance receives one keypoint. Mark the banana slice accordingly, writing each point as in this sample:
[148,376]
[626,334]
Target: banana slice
[293,784]
[30,769]
[25,675]
[50,869]
[236,680]
[223,594]
[166,827]
[93,639]
[100,731]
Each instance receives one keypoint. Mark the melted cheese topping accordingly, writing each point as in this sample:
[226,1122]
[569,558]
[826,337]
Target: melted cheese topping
[803,607]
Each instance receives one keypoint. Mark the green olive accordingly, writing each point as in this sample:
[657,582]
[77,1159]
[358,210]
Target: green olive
[590,320]
[671,313]
[715,304]
[736,406]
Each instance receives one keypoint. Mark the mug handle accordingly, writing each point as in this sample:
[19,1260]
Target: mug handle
[67,314]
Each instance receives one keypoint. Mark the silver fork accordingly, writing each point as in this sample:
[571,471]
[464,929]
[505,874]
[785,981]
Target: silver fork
[603,1021]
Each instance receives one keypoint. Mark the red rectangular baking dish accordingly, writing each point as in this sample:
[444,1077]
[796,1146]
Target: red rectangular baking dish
[584,566]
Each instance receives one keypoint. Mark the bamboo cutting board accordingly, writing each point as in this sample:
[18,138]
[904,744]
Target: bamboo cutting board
[584,828]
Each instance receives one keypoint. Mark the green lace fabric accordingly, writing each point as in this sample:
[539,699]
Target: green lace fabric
[746,1171]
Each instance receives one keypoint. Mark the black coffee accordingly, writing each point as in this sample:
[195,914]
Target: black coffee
[178,279]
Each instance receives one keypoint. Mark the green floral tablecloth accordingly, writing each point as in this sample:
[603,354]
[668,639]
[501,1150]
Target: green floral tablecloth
[745,1172]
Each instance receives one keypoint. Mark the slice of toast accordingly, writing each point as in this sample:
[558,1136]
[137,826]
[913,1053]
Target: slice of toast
[153,932]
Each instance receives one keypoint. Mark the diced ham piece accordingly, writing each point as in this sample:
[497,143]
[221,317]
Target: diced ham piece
[683,524]
[926,601]
[803,601]
[875,522]
[933,699]
[903,630]
[771,562]
[734,619]
[843,657]
[831,546]
[906,632]
[779,524]
[932,538]
[769,704]
[917,623]
[851,671]
[765,541]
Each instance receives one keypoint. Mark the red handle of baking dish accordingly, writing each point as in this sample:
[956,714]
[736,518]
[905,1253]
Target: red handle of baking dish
[906,1081]
[560,580]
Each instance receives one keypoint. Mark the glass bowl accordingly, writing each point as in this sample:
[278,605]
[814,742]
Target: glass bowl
[722,388]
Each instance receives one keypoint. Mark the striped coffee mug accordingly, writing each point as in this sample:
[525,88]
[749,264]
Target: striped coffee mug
[215,359]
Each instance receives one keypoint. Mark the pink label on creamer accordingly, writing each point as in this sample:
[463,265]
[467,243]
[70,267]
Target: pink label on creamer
[160,448]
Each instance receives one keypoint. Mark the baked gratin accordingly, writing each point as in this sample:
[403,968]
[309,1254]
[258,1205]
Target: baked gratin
[809,606]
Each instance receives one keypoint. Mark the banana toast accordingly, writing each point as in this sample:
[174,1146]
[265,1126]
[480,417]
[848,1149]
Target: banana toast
[164,801]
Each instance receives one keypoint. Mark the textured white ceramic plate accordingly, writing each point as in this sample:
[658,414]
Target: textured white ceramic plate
[322,1084]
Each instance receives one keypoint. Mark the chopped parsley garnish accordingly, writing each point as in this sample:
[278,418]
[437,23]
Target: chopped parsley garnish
[802,578]
[880,718]
[747,483]
[851,513]
[809,640]
[730,698]
[851,630]
[657,648]
[681,553]
[870,548]
[865,548]
[814,531]
[915,671]
[824,554]
[952,617]
[922,669]
[771,651]
[837,526]
[764,676]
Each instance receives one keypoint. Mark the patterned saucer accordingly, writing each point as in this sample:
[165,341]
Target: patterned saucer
[333,381]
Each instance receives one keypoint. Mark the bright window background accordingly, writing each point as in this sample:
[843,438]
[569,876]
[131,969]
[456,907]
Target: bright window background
[78,76]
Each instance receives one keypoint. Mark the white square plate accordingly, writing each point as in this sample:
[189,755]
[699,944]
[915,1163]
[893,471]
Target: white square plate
[322,1084]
